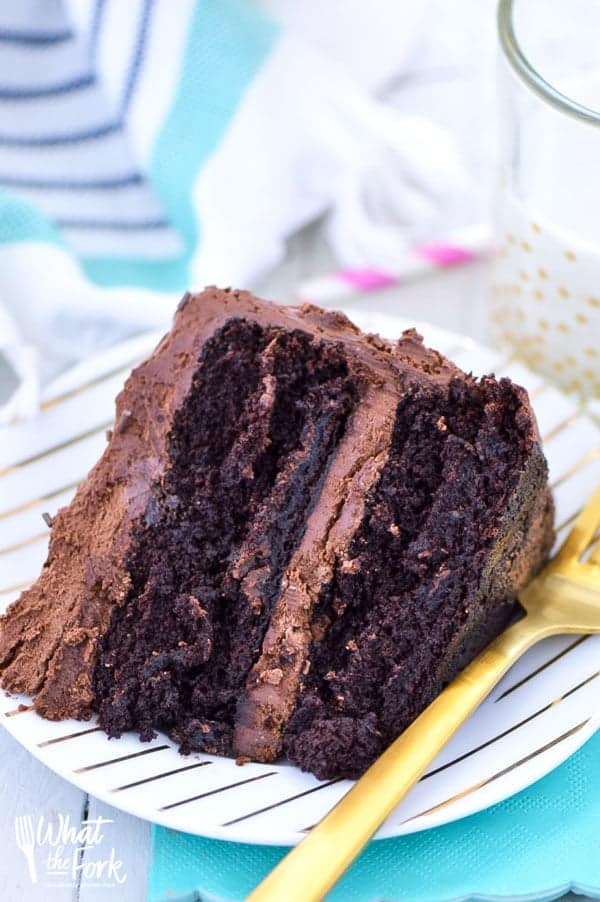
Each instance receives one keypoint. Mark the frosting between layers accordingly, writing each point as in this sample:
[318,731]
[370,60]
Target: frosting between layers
[274,680]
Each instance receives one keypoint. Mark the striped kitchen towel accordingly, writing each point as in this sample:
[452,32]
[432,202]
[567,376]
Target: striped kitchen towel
[162,146]
[109,112]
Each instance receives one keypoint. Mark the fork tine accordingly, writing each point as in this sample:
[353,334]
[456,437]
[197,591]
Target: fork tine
[28,830]
[582,532]
[20,834]
[594,557]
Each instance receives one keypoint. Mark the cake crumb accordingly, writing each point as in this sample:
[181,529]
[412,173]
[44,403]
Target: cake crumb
[273,677]
[442,425]
[351,645]
[394,529]
[350,565]
[319,629]
[242,759]
[123,422]
[256,604]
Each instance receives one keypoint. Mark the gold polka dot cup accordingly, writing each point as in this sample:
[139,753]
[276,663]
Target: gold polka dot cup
[543,305]
[545,297]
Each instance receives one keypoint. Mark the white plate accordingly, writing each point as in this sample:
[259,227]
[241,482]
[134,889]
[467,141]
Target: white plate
[541,712]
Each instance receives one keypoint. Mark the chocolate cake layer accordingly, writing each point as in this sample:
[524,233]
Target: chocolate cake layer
[430,575]
[296,536]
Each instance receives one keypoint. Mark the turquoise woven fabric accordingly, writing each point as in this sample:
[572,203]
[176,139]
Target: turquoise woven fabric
[535,846]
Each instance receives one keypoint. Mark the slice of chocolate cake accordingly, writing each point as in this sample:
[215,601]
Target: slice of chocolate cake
[296,536]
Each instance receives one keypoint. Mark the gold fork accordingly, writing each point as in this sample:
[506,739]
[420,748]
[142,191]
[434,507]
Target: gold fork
[563,598]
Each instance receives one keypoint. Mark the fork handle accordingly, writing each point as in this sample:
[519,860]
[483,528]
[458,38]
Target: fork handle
[312,868]
[31,866]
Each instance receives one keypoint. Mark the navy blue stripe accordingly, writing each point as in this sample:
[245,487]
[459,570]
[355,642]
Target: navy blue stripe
[35,38]
[100,131]
[123,181]
[138,55]
[117,225]
[96,25]
[23,93]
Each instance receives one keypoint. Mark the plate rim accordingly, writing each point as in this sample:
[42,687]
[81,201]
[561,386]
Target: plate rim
[292,838]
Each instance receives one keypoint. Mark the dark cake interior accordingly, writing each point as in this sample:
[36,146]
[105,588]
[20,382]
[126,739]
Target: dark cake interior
[296,536]
[393,614]
[248,450]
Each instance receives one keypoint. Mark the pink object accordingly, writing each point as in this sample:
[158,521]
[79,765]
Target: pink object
[461,246]
[445,254]
[367,279]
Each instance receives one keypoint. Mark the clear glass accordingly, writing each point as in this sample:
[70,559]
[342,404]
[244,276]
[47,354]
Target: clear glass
[546,290]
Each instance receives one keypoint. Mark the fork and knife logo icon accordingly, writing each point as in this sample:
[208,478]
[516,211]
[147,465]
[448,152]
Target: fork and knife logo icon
[25,835]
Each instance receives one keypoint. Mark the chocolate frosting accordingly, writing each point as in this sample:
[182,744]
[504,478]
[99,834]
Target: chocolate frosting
[49,636]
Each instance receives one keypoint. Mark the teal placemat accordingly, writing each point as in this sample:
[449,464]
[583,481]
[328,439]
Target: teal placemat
[538,844]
